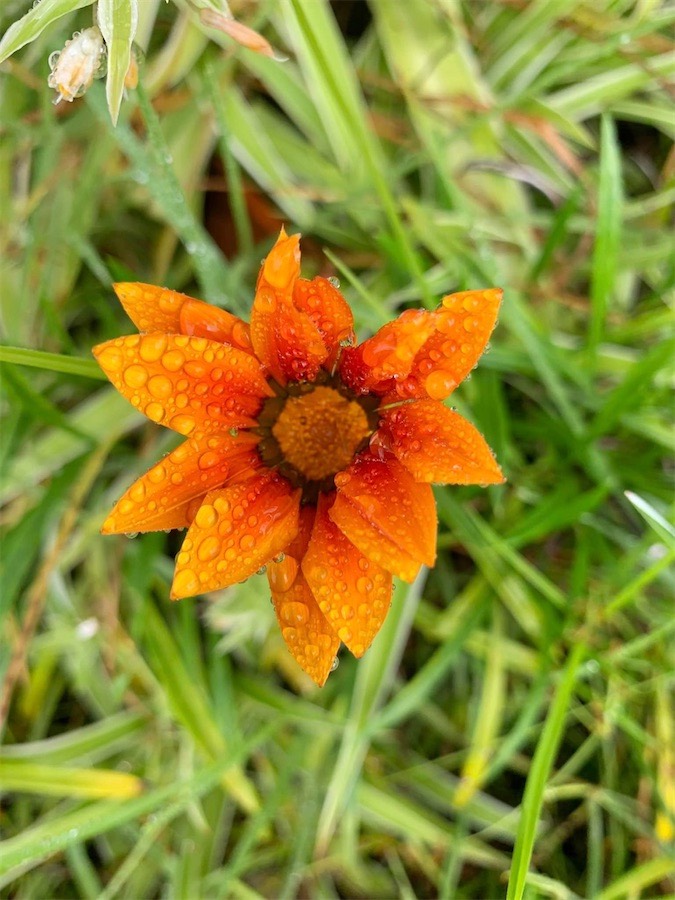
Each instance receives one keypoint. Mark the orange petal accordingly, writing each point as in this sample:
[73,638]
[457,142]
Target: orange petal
[388,354]
[203,320]
[463,324]
[328,310]
[163,497]
[281,267]
[185,383]
[285,339]
[309,637]
[436,444]
[153,308]
[236,531]
[353,592]
[388,516]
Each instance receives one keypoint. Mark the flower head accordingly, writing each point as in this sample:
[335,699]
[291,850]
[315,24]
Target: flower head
[303,453]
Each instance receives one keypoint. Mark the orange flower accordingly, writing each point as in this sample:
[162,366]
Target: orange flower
[303,453]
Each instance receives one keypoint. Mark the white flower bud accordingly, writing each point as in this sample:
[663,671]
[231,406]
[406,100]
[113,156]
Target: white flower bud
[75,67]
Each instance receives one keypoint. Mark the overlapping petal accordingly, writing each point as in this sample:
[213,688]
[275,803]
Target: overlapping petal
[285,339]
[153,308]
[436,444]
[353,592]
[171,492]
[388,354]
[185,383]
[306,631]
[235,531]
[328,310]
[388,516]
[463,324]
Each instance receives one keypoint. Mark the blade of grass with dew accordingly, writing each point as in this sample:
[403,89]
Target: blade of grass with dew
[154,162]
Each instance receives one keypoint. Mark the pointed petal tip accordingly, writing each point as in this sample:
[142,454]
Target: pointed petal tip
[282,265]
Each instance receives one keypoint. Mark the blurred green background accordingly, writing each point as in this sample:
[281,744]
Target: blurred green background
[511,731]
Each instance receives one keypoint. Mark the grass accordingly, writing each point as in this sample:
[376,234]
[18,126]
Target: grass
[510,733]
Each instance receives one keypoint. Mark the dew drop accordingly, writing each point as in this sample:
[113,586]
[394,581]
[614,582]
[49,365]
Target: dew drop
[152,347]
[135,376]
[208,549]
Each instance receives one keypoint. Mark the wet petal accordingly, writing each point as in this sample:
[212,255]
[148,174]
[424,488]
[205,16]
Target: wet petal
[304,628]
[388,516]
[183,382]
[236,531]
[165,496]
[153,308]
[388,354]
[463,324]
[203,320]
[328,310]
[353,592]
[438,445]
[285,339]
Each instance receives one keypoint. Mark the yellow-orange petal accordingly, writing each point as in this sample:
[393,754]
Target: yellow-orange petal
[153,308]
[150,307]
[353,592]
[185,383]
[388,516]
[203,320]
[235,531]
[328,310]
[281,266]
[308,636]
[388,354]
[163,497]
[462,324]
[436,444]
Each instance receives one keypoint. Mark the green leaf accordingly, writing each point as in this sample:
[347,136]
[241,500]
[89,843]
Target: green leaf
[118,20]
[607,234]
[544,755]
[39,17]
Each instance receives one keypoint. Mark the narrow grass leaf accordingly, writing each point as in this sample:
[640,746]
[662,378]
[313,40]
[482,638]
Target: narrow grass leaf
[118,20]
[53,362]
[607,234]
[39,17]
[62,781]
[543,759]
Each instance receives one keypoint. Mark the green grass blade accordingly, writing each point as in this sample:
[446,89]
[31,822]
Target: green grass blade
[39,17]
[118,20]
[542,761]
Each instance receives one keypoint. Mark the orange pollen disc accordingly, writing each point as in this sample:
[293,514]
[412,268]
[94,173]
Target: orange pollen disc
[319,432]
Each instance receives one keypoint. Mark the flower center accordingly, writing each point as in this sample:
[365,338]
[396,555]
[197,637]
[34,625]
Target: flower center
[318,433]
[312,431]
